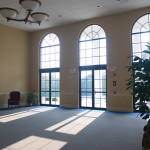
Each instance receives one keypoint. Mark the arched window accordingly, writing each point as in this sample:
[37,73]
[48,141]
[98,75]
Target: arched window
[50,51]
[92,46]
[92,68]
[49,70]
[141,35]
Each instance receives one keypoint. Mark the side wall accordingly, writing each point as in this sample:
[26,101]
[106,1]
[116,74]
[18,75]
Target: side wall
[118,35]
[14,63]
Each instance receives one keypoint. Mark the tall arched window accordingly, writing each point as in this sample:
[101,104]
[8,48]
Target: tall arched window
[49,70]
[141,35]
[92,67]
[50,51]
[92,46]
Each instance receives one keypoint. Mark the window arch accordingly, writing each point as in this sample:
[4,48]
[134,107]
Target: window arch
[140,36]
[50,51]
[92,46]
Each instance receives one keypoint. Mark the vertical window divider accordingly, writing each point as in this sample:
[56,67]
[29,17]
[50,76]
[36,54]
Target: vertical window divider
[50,80]
[93,102]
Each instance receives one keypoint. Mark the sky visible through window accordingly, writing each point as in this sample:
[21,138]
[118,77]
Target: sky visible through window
[140,36]
[92,46]
[50,52]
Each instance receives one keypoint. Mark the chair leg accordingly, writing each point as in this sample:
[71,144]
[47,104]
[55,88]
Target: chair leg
[8,106]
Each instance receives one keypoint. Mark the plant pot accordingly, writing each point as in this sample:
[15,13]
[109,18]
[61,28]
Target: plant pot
[30,104]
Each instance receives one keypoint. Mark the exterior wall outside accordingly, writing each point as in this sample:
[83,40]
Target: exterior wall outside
[14,63]
[118,34]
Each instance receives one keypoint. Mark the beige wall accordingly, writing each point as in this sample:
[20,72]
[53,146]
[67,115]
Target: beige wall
[118,34]
[14,63]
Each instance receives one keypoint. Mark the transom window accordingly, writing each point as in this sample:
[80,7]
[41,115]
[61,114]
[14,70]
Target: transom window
[50,51]
[92,46]
[140,36]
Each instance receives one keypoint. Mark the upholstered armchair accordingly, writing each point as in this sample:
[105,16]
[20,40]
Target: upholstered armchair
[14,98]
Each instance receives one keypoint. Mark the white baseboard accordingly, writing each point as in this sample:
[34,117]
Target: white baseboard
[68,106]
[6,105]
[119,109]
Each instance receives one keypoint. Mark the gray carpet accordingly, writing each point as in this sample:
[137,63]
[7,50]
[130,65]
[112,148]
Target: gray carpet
[50,128]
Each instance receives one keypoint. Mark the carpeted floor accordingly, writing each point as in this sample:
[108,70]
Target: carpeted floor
[51,128]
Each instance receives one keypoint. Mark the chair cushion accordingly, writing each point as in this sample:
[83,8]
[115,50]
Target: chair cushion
[15,96]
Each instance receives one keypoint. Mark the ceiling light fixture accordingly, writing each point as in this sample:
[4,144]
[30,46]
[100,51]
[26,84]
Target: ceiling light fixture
[29,6]
[98,6]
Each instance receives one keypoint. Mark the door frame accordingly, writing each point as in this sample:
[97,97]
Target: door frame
[47,71]
[92,68]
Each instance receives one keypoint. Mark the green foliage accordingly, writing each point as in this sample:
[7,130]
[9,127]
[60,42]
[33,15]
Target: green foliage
[54,99]
[47,98]
[139,81]
[32,98]
[148,123]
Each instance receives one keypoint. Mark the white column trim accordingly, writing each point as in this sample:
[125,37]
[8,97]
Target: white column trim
[124,95]
[69,106]
[119,109]
[68,93]
[8,93]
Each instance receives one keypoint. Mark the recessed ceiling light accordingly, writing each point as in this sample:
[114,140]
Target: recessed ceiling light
[98,6]
[121,1]
[59,15]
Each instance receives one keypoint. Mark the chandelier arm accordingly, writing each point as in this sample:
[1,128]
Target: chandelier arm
[19,20]
[26,19]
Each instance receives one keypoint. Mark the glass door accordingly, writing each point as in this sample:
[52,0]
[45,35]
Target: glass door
[100,88]
[50,88]
[93,89]
[86,88]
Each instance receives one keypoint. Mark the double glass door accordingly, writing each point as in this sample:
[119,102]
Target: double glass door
[50,88]
[93,89]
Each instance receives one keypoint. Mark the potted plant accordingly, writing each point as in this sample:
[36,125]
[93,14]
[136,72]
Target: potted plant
[47,98]
[54,99]
[32,98]
[139,82]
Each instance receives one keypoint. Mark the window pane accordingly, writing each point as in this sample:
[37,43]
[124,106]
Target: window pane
[103,43]
[103,60]
[82,45]
[144,37]
[96,52]
[96,61]
[82,53]
[89,53]
[88,44]
[102,51]
[136,38]
[96,43]
[88,61]
[136,48]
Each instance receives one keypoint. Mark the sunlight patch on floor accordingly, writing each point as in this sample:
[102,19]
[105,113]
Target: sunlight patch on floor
[76,123]
[23,114]
[37,143]
[64,122]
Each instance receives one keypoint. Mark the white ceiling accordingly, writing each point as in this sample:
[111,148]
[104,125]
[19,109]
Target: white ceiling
[71,10]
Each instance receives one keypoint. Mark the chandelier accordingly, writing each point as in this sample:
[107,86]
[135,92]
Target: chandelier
[29,6]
